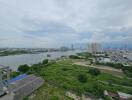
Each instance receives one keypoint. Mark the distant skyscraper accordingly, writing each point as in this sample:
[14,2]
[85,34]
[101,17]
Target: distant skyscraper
[94,47]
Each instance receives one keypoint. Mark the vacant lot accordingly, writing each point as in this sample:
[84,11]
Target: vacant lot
[63,76]
[113,71]
[49,92]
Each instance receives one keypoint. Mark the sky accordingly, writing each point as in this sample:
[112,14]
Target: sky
[55,23]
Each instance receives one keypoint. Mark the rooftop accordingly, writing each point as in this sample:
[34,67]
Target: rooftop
[20,77]
[24,85]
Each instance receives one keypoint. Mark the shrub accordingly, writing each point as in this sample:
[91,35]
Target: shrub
[45,61]
[82,78]
[65,69]
[23,68]
[14,74]
[74,57]
[94,71]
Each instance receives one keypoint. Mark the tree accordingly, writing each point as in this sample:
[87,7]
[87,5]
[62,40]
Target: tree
[94,71]
[82,78]
[73,57]
[14,74]
[23,68]
[45,61]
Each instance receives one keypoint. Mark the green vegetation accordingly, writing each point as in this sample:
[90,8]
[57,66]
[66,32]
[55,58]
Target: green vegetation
[86,55]
[62,76]
[94,71]
[16,52]
[83,55]
[74,57]
[82,78]
[50,92]
[65,76]
[14,74]
[45,61]
[126,69]
[119,66]
[23,68]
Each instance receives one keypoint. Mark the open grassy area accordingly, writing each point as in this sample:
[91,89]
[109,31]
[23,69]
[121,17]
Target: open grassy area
[106,69]
[63,76]
[49,92]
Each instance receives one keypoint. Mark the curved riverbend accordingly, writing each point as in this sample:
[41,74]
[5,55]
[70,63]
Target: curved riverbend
[15,60]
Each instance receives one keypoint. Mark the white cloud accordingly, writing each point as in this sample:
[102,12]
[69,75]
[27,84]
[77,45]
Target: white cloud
[51,23]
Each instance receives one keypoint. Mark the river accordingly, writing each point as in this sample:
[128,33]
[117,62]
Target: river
[13,61]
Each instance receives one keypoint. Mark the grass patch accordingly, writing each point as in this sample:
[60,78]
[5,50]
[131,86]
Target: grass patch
[49,92]
[63,76]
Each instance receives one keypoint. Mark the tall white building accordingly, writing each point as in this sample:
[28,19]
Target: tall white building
[95,47]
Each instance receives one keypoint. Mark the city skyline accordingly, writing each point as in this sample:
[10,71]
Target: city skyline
[54,23]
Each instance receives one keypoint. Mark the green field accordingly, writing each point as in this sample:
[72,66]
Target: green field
[62,76]
[49,92]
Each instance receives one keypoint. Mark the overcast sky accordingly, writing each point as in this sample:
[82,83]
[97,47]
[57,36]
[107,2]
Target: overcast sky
[53,23]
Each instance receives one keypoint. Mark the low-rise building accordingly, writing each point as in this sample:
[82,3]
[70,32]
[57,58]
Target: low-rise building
[104,59]
[4,76]
[22,86]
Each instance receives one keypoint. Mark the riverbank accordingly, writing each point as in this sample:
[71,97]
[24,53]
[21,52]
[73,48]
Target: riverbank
[13,61]
[17,52]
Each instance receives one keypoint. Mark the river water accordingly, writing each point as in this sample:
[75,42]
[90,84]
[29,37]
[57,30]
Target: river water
[14,61]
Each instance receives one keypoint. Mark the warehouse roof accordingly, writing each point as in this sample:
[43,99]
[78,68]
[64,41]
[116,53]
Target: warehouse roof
[17,78]
[25,86]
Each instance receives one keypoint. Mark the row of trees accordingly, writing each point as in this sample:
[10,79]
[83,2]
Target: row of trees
[74,57]
[85,55]
[126,69]
[36,67]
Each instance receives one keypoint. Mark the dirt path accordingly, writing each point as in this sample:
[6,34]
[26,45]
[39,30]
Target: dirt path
[104,82]
[107,69]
